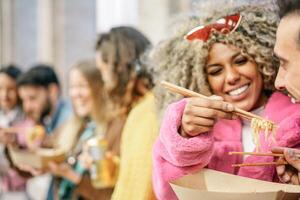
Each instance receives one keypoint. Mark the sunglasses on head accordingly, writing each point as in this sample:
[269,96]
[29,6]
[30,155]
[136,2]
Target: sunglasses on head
[224,25]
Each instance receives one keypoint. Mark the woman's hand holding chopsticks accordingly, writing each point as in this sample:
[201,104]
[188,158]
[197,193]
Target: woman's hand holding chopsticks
[288,173]
[201,114]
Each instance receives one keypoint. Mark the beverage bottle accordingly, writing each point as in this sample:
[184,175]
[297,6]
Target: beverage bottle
[104,168]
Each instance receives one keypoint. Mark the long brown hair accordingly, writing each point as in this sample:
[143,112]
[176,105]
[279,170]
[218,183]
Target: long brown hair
[121,48]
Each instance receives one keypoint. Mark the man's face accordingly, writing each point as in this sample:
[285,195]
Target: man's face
[287,49]
[35,101]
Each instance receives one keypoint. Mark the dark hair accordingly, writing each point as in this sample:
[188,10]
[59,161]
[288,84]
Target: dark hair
[120,48]
[11,70]
[288,7]
[38,75]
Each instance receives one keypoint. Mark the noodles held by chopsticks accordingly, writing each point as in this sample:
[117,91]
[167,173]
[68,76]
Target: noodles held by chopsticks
[258,125]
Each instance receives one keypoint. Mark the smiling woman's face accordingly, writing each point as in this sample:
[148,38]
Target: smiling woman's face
[80,93]
[234,77]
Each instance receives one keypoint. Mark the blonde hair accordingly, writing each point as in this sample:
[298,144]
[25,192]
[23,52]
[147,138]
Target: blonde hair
[183,62]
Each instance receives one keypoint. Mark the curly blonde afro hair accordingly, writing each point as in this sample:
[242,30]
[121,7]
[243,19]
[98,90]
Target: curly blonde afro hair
[182,62]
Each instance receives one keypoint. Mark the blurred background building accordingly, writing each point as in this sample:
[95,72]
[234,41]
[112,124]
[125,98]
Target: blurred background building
[60,32]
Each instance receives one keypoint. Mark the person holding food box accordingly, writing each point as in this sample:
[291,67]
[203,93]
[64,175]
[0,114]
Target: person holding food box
[87,97]
[40,94]
[228,53]
[72,178]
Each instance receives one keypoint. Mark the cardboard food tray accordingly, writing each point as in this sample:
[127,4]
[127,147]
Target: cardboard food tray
[38,159]
[214,185]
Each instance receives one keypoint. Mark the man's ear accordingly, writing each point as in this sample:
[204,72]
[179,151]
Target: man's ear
[54,91]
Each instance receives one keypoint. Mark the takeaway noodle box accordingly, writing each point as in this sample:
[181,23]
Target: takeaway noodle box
[38,159]
[214,185]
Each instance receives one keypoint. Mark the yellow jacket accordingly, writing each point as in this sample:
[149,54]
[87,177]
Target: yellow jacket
[139,134]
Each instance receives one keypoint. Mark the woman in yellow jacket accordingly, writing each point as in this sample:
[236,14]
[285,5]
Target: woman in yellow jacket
[138,136]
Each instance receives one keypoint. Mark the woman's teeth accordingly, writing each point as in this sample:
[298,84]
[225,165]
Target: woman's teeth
[238,91]
[294,100]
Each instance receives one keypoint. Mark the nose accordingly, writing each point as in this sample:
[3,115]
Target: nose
[280,79]
[74,92]
[27,106]
[232,75]
[4,93]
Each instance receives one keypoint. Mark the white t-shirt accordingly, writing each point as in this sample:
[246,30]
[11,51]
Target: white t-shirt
[247,135]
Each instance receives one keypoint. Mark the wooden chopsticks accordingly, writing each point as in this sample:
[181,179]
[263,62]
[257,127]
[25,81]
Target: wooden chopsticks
[255,153]
[259,164]
[258,154]
[188,93]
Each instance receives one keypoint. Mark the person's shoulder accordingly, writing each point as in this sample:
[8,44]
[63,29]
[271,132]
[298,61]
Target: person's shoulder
[64,111]
[65,104]
[146,103]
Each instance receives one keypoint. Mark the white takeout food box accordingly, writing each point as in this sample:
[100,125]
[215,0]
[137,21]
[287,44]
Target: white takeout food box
[213,185]
[38,159]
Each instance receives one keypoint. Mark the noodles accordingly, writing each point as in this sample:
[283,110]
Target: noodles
[258,125]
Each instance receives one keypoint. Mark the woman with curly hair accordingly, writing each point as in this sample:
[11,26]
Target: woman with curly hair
[230,58]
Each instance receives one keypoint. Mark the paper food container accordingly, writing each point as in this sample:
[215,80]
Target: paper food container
[38,159]
[213,185]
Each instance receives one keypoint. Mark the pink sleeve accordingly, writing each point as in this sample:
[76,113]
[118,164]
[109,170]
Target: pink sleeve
[174,155]
[288,133]
[178,150]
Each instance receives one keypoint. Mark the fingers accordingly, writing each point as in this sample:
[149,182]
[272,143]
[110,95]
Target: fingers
[280,168]
[288,173]
[295,179]
[193,130]
[194,111]
[292,156]
[200,115]
[277,149]
[198,120]
[286,177]
[198,107]
[211,103]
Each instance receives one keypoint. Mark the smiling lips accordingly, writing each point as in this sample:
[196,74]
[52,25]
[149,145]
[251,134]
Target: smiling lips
[238,91]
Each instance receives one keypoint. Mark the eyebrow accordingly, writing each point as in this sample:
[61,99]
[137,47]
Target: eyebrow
[232,57]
